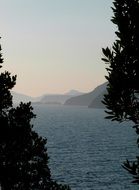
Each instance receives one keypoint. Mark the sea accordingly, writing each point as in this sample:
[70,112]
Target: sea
[86,151]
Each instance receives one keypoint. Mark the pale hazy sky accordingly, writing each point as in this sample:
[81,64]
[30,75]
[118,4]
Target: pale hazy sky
[55,45]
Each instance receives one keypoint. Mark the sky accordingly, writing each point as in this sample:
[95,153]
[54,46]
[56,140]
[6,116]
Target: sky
[55,45]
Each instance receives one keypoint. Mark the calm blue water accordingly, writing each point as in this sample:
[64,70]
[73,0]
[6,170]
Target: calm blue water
[86,151]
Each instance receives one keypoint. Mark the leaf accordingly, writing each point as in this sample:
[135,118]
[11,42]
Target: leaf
[105,60]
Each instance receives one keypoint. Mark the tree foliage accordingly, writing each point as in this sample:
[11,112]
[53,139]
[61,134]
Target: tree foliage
[122,98]
[23,153]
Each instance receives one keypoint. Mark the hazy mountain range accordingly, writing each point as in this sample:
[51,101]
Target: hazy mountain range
[47,99]
[73,97]
[18,97]
[92,99]
[74,93]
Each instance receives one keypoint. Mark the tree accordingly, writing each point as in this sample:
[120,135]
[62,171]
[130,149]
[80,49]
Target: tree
[23,153]
[122,98]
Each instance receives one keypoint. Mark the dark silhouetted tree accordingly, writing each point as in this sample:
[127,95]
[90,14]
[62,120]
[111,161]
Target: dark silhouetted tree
[23,153]
[122,98]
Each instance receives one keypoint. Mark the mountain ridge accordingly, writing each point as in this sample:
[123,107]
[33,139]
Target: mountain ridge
[47,98]
[88,98]
[73,97]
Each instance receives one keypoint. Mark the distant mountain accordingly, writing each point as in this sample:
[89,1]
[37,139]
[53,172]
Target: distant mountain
[97,102]
[74,93]
[47,99]
[59,98]
[87,98]
[18,97]
[55,98]
[73,97]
